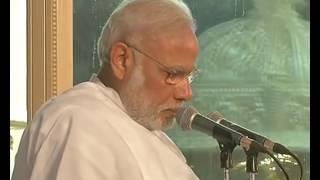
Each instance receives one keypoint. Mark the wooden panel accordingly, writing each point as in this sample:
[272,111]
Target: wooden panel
[50,51]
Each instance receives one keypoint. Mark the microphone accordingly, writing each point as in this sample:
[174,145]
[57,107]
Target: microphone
[267,143]
[189,118]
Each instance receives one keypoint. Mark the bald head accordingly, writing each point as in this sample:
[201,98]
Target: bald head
[141,21]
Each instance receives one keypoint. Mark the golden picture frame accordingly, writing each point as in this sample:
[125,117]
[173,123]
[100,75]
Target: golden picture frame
[49,50]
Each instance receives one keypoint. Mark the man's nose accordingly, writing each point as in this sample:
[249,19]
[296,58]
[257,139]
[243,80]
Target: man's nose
[183,91]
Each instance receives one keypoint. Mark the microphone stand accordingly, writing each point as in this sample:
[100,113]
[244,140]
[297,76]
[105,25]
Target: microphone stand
[226,157]
[252,163]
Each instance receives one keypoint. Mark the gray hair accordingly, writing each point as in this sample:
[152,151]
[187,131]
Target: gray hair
[125,21]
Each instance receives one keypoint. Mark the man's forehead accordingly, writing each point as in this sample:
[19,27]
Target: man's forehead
[169,39]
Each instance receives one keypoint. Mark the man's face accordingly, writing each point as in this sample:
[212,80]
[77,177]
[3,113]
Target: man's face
[148,97]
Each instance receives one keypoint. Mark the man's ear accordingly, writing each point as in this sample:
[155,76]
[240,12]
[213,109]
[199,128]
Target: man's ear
[120,59]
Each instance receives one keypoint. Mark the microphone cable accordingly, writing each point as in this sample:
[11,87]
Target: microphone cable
[275,159]
[288,152]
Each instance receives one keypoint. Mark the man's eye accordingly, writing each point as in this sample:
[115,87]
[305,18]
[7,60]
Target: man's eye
[174,73]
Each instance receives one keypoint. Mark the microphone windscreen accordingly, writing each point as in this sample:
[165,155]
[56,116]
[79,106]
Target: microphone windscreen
[184,117]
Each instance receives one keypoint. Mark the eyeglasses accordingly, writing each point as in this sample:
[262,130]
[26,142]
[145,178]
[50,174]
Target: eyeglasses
[174,76]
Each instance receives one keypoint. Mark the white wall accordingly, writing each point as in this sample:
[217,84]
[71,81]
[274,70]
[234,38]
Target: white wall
[18,70]
[18,60]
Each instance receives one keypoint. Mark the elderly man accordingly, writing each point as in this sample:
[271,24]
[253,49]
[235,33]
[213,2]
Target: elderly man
[109,128]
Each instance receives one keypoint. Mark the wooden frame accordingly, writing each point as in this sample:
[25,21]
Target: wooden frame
[49,50]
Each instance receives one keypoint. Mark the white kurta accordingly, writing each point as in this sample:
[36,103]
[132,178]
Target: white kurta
[85,134]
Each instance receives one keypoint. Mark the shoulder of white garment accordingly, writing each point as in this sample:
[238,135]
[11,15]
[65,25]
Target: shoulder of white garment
[87,125]
[168,142]
[87,95]
[69,132]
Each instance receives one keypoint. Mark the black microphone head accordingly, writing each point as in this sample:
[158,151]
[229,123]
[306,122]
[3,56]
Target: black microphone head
[185,116]
[216,116]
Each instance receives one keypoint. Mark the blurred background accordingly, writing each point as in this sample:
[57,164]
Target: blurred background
[254,67]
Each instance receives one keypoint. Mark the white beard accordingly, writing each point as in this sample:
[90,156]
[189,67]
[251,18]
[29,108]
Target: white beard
[139,107]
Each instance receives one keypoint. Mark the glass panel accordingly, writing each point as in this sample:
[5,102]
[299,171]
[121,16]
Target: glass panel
[255,64]
[88,20]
